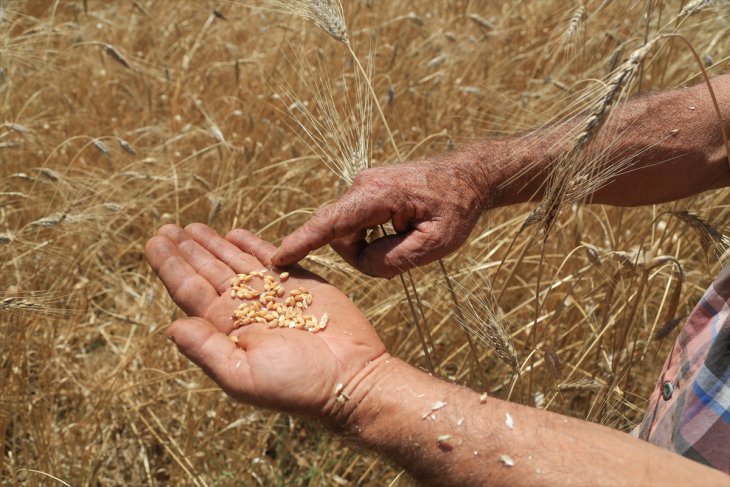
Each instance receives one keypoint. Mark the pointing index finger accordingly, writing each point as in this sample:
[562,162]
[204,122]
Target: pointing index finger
[353,212]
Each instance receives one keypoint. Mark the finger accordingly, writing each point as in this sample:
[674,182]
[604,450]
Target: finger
[353,212]
[252,244]
[351,247]
[392,255]
[212,351]
[191,291]
[404,215]
[221,248]
[263,250]
[206,264]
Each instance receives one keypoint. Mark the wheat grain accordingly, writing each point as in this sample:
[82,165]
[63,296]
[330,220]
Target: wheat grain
[127,147]
[116,55]
[506,460]
[270,310]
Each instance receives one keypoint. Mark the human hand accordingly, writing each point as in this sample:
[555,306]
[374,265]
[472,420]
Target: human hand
[284,369]
[433,206]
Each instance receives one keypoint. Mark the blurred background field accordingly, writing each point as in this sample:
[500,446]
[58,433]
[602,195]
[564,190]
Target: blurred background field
[118,117]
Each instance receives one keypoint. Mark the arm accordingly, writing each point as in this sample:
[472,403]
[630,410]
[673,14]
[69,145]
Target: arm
[673,139]
[545,448]
[343,377]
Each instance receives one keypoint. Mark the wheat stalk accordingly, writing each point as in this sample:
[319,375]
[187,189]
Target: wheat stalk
[329,16]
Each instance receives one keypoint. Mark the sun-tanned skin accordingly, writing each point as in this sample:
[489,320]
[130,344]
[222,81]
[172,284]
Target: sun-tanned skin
[299,372]
[390,403]
[434,204]
[285,369]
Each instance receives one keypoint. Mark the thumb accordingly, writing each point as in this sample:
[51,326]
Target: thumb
[200,341]
[392,255]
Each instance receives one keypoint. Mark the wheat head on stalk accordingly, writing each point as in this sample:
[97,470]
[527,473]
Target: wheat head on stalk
[577,174]
[338,133]
[325,14]
[482,318]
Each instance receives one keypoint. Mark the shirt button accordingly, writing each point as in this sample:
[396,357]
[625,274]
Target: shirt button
[667,390]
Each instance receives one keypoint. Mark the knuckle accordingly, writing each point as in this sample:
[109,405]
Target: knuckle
[186,294]
[188,246]
[402,203]
[231,235]
[433,243]
[364,176]
[167,227]
[322,218]
[155,246]
[193,227]
[439,240]
[397,262]
[335,220]
[170,231]
[156,241]
[343,227]
[371,179]
[170,263]
[238,233]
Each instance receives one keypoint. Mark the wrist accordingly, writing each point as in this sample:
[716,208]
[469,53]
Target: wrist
[391,399]
[516,168]
[372,397]
[505,171]
[344,414]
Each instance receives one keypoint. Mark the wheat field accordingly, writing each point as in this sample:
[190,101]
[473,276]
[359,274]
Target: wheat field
[118,117]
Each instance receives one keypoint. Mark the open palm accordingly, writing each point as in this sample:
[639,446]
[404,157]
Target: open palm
[281,368]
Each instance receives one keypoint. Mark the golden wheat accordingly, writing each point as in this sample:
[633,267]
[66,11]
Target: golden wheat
[117,117]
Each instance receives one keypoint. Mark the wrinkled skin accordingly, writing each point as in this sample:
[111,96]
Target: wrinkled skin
[433,206]
[284,369]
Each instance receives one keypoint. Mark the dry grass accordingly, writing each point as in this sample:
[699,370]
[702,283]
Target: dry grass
[118,117]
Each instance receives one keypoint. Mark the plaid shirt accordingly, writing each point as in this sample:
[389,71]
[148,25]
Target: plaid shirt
[689,411]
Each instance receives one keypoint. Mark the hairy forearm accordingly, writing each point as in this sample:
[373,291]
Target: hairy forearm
[665,146]
[444,434]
